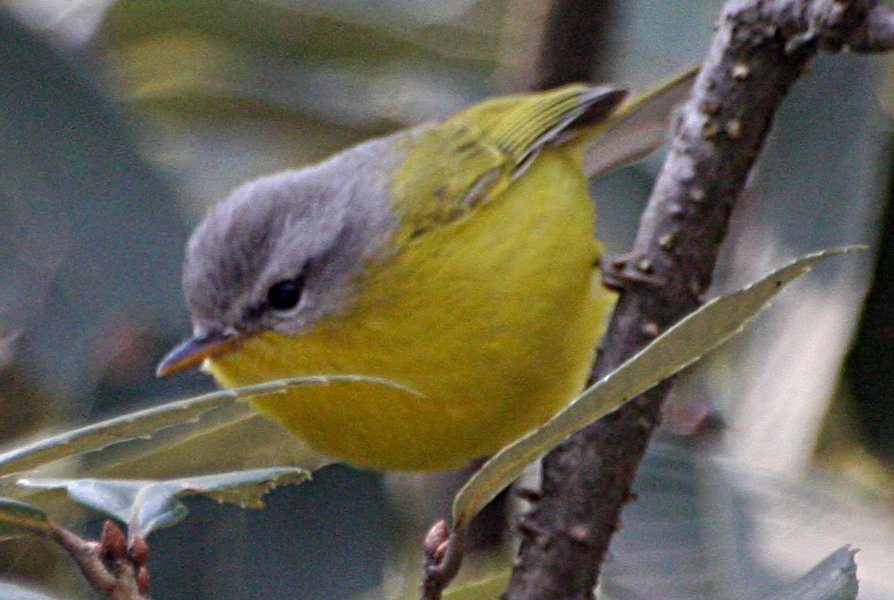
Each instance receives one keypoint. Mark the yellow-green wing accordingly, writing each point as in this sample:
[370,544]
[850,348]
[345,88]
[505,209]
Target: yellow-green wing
[450,168]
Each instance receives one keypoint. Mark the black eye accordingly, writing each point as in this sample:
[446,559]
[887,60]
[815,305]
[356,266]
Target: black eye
[285,294]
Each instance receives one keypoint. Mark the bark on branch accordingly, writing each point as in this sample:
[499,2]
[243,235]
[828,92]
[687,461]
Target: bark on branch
[761,47]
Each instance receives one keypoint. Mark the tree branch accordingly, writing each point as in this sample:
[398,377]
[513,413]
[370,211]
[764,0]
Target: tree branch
[760,49]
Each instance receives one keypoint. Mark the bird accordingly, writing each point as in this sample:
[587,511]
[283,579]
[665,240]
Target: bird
[455,258]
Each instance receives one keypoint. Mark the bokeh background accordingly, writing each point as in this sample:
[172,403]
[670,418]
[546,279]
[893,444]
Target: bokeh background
[122,120]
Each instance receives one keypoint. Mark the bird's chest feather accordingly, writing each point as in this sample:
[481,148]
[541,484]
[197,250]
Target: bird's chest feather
[492,318]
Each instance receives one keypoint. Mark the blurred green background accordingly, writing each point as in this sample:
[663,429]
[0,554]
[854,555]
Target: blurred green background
[122,120]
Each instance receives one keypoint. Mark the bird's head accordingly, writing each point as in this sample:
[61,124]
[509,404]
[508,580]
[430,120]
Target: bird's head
[280,253]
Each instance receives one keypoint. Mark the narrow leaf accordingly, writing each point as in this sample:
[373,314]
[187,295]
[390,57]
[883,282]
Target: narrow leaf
[244,488]
[18,518]
[489,587]
[147,505]
[233,438]
[681,345]
[144,423]
[835,578]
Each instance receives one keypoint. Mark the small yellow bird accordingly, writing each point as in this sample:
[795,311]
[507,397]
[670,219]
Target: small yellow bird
[456,258]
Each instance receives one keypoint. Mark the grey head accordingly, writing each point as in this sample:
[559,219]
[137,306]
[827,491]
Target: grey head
[283,250]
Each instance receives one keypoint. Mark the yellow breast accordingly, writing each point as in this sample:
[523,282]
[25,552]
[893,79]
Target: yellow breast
[493,318]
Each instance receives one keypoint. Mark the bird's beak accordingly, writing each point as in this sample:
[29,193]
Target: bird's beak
[194,351]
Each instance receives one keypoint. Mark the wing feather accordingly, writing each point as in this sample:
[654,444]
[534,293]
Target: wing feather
[452,167]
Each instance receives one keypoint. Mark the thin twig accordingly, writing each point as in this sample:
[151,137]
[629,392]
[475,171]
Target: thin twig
[761,47]
[443,550]
[110,567]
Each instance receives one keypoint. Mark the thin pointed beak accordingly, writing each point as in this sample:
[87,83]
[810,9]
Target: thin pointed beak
[194,351]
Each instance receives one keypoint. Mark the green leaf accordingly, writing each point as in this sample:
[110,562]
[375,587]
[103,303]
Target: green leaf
[234,438]
[485,586]
[18,518]
[835,578]
[144,423]
[681,345]
[483,589]
[147,505]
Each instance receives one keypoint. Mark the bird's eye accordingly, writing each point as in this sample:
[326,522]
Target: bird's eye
[285,294]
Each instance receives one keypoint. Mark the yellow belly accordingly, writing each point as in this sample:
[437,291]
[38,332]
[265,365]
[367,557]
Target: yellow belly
[493,318]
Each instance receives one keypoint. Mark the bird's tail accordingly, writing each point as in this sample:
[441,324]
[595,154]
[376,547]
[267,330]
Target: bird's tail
[634,129]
